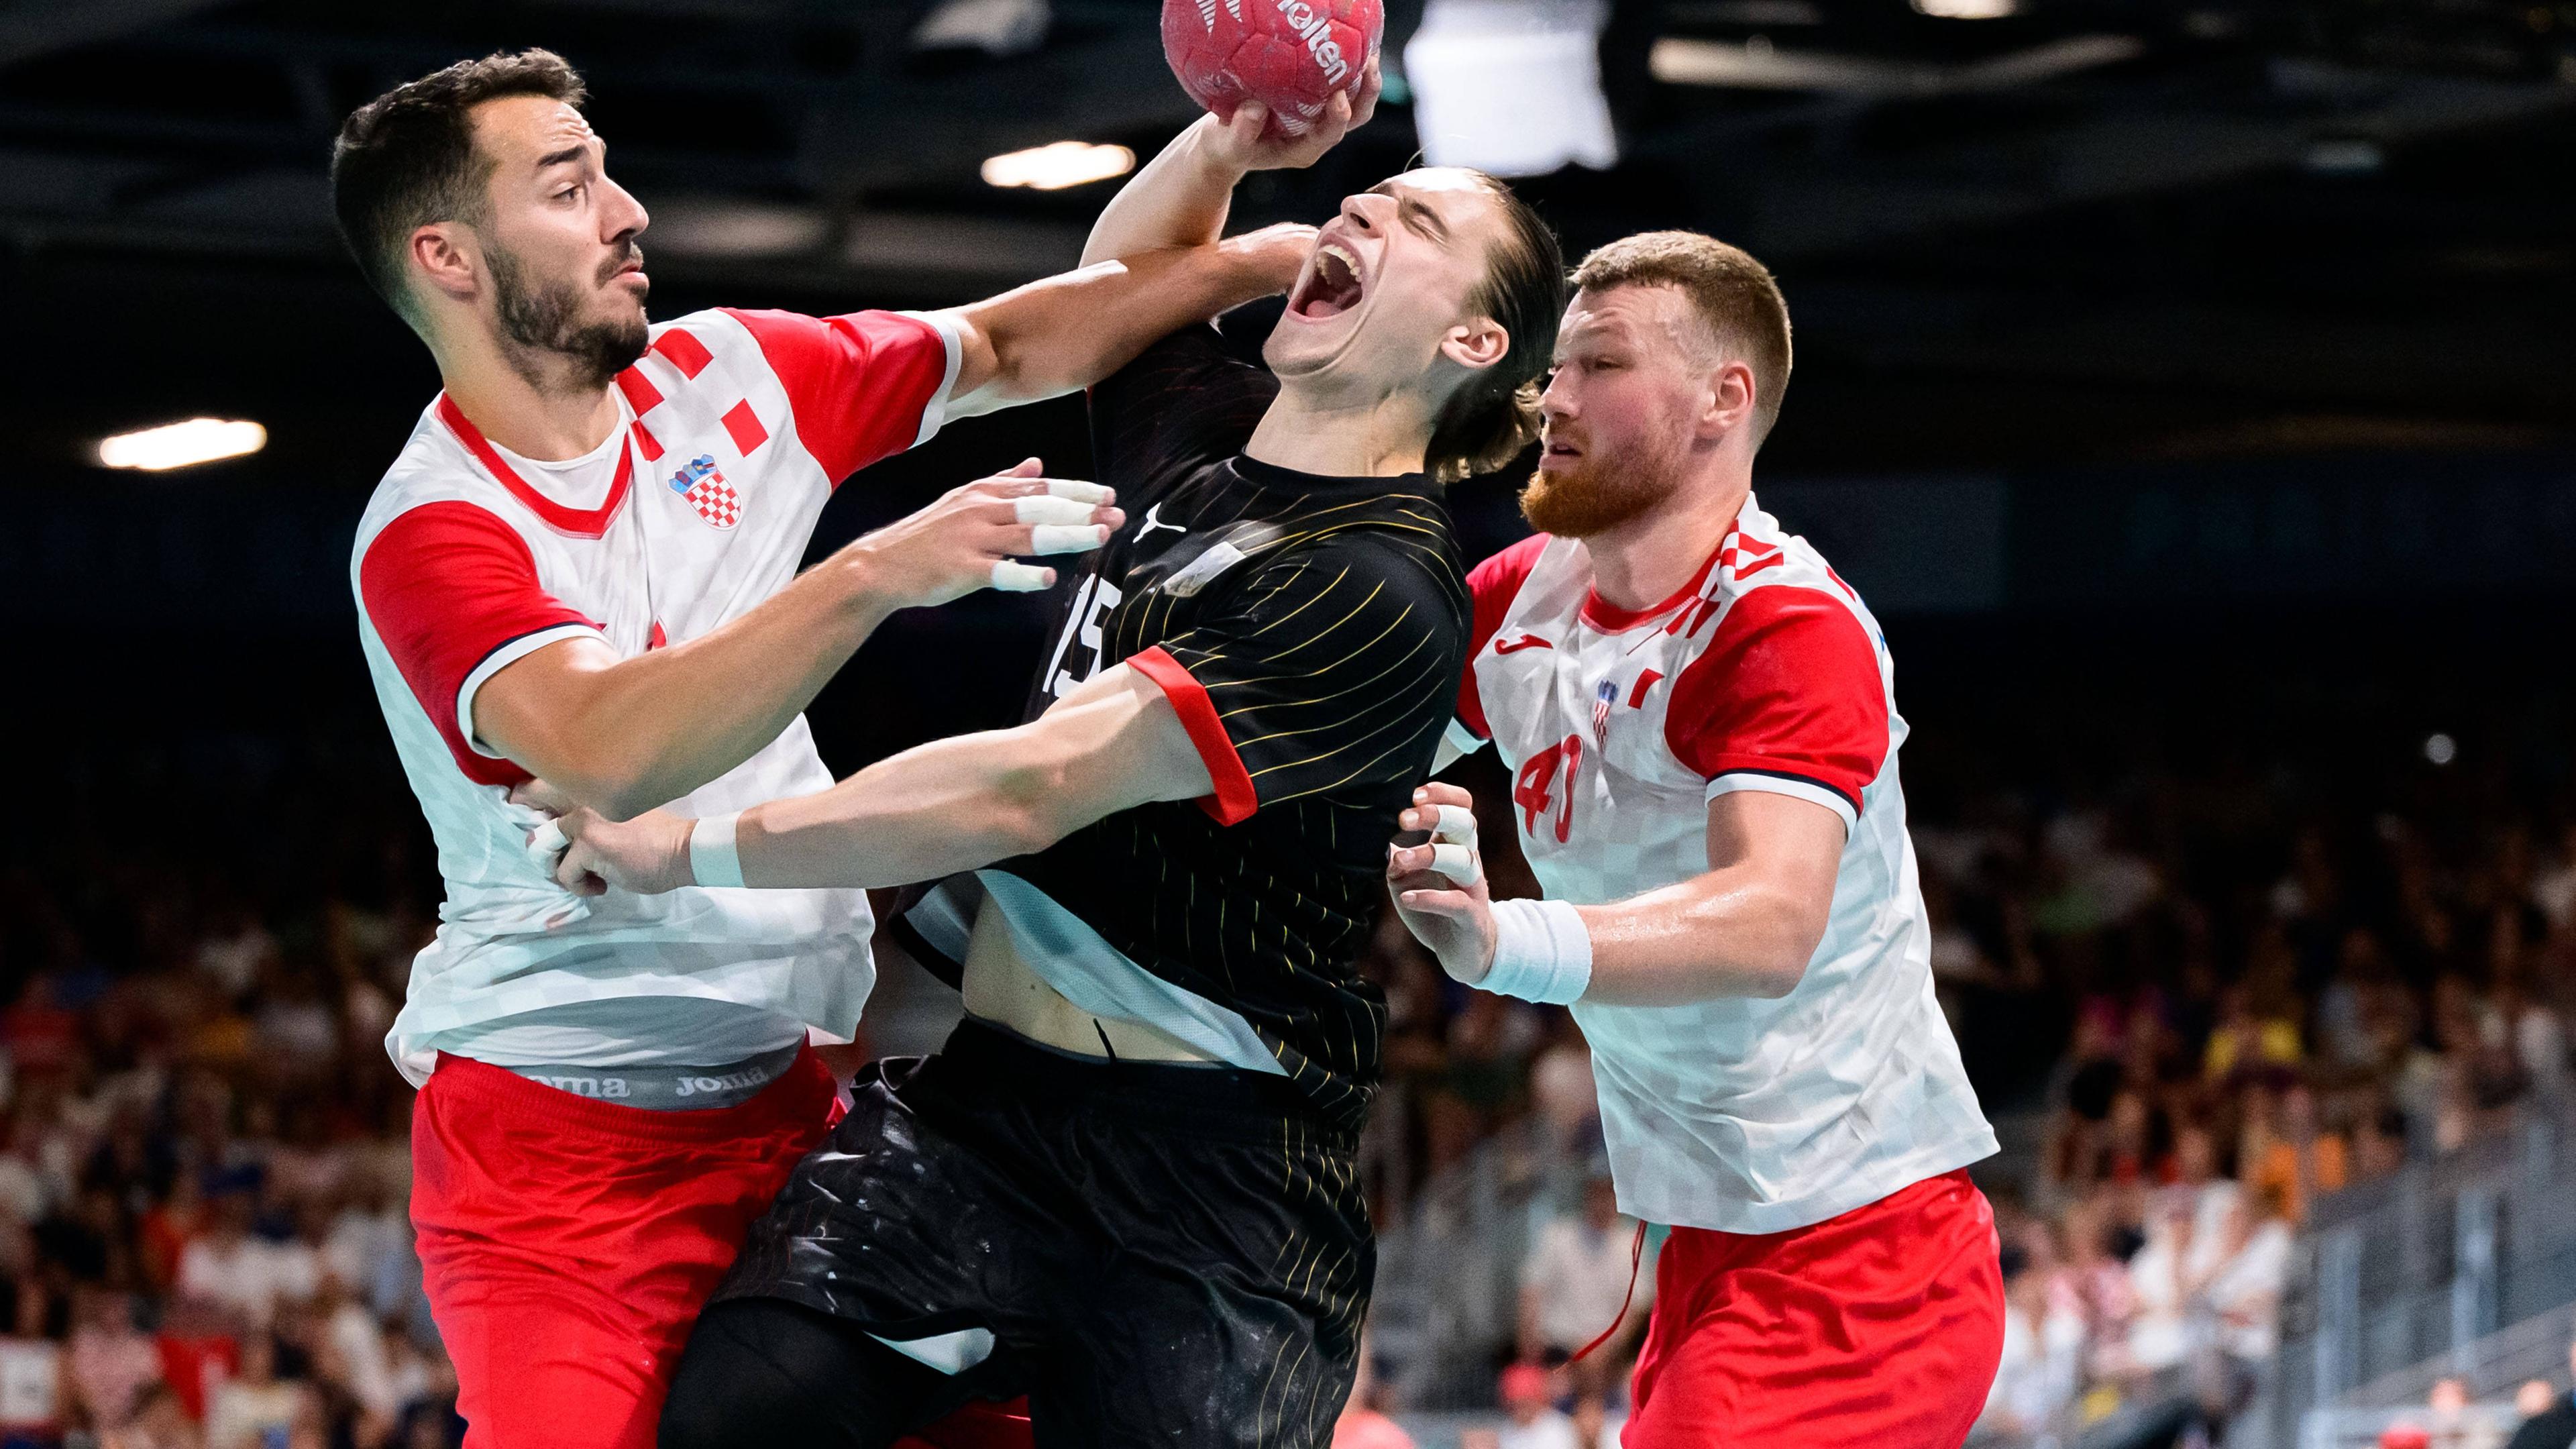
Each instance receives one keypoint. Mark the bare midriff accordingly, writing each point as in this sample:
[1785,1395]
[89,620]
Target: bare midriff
[1000,988]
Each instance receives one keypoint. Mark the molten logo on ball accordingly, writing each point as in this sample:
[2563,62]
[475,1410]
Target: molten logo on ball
[1290,55]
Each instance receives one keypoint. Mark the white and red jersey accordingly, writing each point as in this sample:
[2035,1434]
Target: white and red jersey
[1765,672]
[736,428]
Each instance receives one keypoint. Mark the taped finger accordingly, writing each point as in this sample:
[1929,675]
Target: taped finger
[1455,824]
[1050,508]
[545,843]
[1010,576]
[1079,491]
[1066,537]
[1459,863]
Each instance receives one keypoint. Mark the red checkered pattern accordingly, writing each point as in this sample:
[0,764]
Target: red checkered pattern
[716,501]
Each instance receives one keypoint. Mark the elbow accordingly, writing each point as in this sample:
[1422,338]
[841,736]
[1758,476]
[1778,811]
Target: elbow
[1777,970]
[617,790]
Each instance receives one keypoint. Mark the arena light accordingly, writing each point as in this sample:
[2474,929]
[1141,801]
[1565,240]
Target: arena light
[1966,9]
[1055,167]
[182,445]
[2441,749]
[1511,86]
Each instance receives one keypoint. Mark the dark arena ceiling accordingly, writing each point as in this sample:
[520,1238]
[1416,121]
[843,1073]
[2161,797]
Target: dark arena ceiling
[2084,230]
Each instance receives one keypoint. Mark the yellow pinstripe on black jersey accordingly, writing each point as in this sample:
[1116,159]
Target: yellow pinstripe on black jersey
[1311,631]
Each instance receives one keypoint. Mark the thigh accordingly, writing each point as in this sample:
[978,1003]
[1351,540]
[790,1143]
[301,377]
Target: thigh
[565,1264]
[1887,1334]
[1230,1316]
[764,1371]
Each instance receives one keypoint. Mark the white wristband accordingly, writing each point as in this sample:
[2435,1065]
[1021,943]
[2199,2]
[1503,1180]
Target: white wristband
[1541,952]
[713,858]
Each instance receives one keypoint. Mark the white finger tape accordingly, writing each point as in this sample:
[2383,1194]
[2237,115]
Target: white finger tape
[1050,508]
[1459,863]
[1080,491]
[1049,538]
[547,842]
[1455,824]
[1013,577]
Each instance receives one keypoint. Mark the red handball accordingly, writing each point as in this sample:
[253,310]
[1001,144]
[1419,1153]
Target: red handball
[1290,55]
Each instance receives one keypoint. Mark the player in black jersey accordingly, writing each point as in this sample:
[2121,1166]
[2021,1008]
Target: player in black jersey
[1126,1186]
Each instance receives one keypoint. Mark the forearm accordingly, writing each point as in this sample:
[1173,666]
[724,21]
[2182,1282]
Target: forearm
[1067,332]
[640,732]
[959,803]
[1180,199]
[1729,933]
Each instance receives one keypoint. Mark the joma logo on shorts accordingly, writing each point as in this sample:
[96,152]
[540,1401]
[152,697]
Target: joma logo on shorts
[1315,28]
[608,1088]
[700,1086]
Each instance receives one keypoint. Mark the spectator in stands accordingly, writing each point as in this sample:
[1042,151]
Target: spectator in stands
[2554,1427]
[254,1408]
[32,1401]
[111,1363]
[2453,1422]
[2159,1335]
[1533,1420]
[2242,1293]
[2284,1146]
[1578,1280]
[2043,1353]
[241,1270]
[1364,1424]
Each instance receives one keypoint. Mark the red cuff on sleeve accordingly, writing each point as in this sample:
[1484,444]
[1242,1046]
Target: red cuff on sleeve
[1493,584]
[1234,800]
[1789,686]
[860,385]
[447,586]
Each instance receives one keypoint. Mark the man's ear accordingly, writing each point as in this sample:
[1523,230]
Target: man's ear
[1728,401]
[443,258]
[1477,344]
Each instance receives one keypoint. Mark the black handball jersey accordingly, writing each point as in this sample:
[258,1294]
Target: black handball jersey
[1310,630]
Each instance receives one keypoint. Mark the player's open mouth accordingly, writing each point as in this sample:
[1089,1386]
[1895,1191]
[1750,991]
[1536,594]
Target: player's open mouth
[1332,285]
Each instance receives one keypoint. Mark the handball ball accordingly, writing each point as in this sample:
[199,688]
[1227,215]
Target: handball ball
[1290,55]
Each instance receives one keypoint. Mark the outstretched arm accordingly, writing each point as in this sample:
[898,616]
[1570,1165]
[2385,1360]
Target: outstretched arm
[947,806]
[1747,927]
[1067,332]
[1182,196]
[622,735]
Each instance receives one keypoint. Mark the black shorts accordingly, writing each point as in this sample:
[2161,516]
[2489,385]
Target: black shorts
[1164,1253]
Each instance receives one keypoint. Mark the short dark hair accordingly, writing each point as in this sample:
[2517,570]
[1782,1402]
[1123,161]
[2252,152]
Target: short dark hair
[1734,294]
[407,158]
[1487,423]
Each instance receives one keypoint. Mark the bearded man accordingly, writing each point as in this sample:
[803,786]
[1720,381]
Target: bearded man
[1700,719]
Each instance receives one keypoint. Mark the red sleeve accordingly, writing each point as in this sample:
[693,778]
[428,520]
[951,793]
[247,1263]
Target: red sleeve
[863,387]
[1493,583]
[1787,694]
[453,593]
[1233,800]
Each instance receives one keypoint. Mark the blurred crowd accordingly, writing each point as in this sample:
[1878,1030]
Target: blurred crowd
[2198,996]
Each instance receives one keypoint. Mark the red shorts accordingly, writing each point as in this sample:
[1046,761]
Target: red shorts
[1882,1327]
[568,1244]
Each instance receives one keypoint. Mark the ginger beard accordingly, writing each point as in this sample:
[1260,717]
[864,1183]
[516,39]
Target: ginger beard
[1607,483]
[546,316]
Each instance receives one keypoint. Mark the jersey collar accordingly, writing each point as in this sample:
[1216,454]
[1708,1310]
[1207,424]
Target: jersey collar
[1288,480]
[579,522]
[1609,618]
